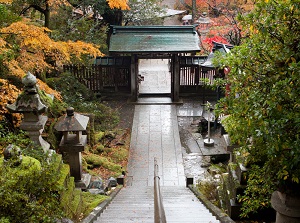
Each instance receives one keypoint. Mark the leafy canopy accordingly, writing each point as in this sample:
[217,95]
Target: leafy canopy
[264,103]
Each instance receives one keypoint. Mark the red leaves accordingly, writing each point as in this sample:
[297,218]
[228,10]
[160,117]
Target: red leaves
[209,41]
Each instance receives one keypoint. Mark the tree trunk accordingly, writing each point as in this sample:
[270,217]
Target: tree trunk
[287,207]
[47,15]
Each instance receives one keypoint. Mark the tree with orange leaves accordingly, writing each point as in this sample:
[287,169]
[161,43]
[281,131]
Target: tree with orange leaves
[223,15]
[25,47]
[37,52]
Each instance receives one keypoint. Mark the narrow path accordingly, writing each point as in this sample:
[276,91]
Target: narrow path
[155,134]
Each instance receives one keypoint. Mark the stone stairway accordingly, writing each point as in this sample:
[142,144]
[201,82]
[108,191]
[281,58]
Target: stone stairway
[136,204]
[155,135]
[131,204]
[181,205]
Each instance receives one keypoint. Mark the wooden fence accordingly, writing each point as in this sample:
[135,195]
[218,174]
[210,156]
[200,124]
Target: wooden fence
[100,78]
[113,74]
[195,75]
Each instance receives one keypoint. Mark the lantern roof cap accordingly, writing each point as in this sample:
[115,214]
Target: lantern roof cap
[72,121]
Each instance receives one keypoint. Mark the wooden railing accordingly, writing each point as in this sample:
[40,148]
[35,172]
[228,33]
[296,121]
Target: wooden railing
[159,212]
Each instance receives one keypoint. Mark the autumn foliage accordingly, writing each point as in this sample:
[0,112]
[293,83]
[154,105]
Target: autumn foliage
[25,47]
[223,18]
[8,95]
[209,41]
[119,4]
[36,48]
[36,52]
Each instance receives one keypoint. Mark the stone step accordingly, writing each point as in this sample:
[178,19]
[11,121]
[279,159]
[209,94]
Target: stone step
[130,214]
[120,219]
[180,204]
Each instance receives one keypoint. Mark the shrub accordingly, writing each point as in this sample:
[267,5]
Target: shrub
[84,100]
[29,192]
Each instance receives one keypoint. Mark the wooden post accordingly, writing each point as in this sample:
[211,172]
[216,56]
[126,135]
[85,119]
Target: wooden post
[133,78]
[176,78]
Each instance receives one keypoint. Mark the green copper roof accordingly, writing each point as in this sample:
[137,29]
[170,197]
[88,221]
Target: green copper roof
[154,39]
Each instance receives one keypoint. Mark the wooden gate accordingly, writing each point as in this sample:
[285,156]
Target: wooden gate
[107,74]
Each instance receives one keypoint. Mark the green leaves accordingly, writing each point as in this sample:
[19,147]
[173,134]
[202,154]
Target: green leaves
[6,16]
[30,192]
[263,104]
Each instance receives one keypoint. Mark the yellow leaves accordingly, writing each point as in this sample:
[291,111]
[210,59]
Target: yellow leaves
[28,35]
[295,179]
[290,60]
[8,95]
[79,47]
[6,1]
[253,30]
[57,3]
[50,2]
[3,43]
[119,4]
[14,68]
[4,48]
[35,46]
[35,49]
[284,173]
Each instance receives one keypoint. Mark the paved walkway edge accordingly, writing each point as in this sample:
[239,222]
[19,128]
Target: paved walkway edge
[101,207]
[220,215]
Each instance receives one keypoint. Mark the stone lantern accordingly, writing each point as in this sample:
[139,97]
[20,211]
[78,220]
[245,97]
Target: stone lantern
[29,104]
[204,24]
[73,141]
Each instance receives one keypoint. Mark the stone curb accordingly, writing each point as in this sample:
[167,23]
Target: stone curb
[220,215]
[101,207]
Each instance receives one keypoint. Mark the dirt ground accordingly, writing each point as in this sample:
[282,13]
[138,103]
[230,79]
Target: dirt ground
[125,109]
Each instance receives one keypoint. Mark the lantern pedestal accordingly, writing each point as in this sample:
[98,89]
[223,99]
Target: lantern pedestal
[73,151]
[35,129]
[287,207]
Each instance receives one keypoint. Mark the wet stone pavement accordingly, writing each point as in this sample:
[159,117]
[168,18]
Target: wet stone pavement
[196,156]
[165,131]
[155,133]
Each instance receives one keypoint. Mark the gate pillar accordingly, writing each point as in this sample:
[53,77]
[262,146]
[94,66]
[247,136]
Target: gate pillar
[134,76]
[176,75]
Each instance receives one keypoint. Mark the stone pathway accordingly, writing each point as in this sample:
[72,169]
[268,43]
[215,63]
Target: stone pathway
[155,134]
[157,78]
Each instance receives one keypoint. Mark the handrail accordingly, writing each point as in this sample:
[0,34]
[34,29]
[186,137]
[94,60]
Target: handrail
[159,211]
